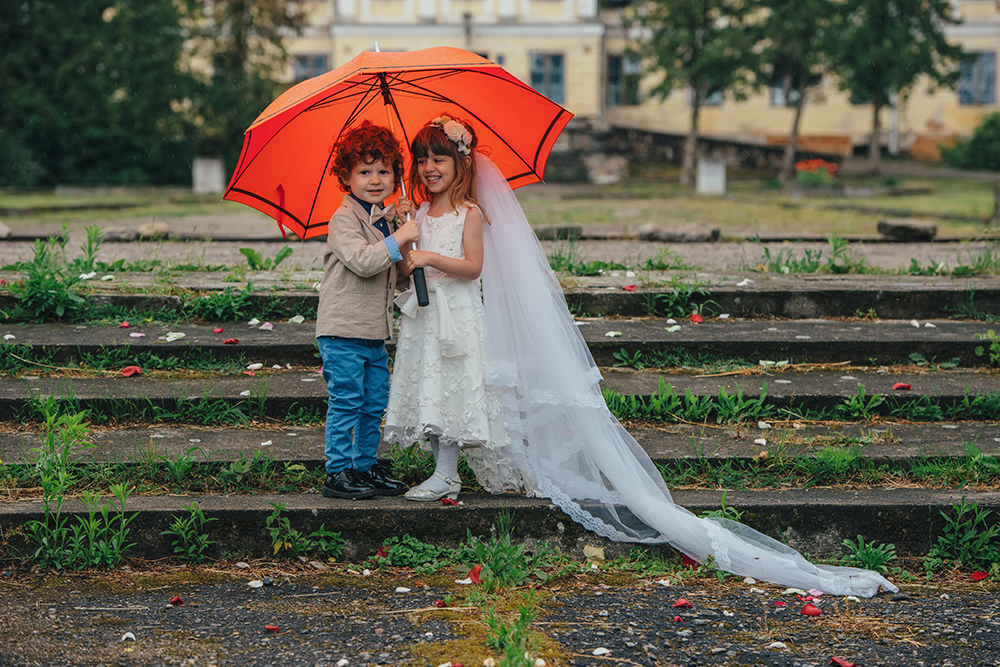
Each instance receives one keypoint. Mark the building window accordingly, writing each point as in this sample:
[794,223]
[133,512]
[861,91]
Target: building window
[782,93]
[714,99]
[547,75]
[309,65]
[623,81]
[977,83]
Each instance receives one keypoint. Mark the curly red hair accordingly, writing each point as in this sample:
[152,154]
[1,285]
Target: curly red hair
[366,143]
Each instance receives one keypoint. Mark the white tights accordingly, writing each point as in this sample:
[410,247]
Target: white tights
[446,464]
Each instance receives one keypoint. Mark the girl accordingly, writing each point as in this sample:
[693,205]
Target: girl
[511,380]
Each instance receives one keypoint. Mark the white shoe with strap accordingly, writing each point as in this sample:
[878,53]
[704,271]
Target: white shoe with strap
[423,494]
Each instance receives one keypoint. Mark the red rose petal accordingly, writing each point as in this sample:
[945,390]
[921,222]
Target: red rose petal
[219,330]
[272,628]
[124,325]
[807,598]
[779,603]
[249,373]
[129,371]
[901,386]
[474,574]
[696,318]
[688,561]
[628,288]
[840,662]
[440,603]
[681,602]
[979,575]
[810,610]
[382,552]
[231,341]
[677,619]
[176,601]
[448,501]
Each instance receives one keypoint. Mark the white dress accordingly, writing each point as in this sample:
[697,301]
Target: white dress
[438,382]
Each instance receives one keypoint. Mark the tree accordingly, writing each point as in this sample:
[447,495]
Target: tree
[885,46]
[796,36]
[89,90]
[240,46]
[701,44]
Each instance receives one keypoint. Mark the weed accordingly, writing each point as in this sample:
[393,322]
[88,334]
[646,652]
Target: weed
[921,360]
[178,469]
[841,260]
[859,406]
[289,541]
[683,299]
[665,260]
[504,564]
[513,641]
[191,540]
[994,348]
[735,408]
[47,287]
[257,262]
[968,538]
[830,464]
[408,551]
[922,409]
[643,562]
[411,464]
[869,555]
[728,513]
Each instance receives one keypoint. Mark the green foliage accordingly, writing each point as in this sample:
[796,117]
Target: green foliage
[512,641]
[860,406]
[665,260]
[981,150]
[257,262]
[408,551]
[565,258]
[289,542]
[178,469]
[411,464]
[191,541]
[47,289]
[869,555]
[89,89]
[841,260]
[683,299]
[969,538]
[994,348]
[724,512]
[504,564]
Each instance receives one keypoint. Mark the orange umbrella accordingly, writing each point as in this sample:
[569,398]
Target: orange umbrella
[283,170]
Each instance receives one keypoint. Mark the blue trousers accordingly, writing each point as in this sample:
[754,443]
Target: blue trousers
[356,371]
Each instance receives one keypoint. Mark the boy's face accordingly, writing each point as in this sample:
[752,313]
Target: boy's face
[372,182]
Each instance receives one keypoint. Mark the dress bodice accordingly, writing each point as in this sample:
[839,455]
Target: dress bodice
[442,234]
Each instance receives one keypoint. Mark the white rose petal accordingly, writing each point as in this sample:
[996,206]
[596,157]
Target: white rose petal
[255,367]
[137,335]
[266,443]
[267,326]
[8,336]
[107,278]
[777,645]
[245,392]
[174,335]
[724,316]
[663,582]
[298,319]
[914,323]
[276,367]
[763,425]
[673,328]
[929,325]
[464,582]
[88,276]
[254,322]
[671,321]
[402,589]
[366,573]
[128,637]
[749,580]
[255,584]
[760,441]
[343,662]
[613,334]
[601,651]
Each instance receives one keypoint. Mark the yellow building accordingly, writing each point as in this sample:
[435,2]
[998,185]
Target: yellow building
[572,50]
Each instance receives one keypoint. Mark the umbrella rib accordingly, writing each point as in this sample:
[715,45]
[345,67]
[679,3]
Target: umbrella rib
[548,131]
[271,203]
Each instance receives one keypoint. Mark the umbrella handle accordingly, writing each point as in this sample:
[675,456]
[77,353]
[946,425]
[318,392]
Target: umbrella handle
[419,281]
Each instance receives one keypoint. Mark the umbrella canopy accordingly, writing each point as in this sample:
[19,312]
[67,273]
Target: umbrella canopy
[284,167]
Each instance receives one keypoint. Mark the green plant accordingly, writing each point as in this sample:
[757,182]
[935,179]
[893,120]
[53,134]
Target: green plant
[327,543]
[969,538]
[734,408]
[981,150]
[665,260]
[178,469]
[257,262]
[921,360]
[994,347]
[814,173]
[514,640]
[87,262]
[860,406]
[504,564]
[683,299]
[47,287]
[724,512]
[869,555]
[408,551]
[288,541]
[411,464]
[191,540]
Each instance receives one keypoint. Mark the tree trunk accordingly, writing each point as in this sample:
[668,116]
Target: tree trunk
[788,161]
[691,143]
[875,147]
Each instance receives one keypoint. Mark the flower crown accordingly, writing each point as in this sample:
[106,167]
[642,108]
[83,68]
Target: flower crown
[455,131]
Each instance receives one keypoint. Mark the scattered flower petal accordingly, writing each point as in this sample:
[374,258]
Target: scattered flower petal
[251,373]
[176,601]
[88,276]
[779,603]
[744,282]
[231,341]
[124,325]
[128,637]
[440,603]
[663,582]
[8,336]
[671,321]
[815,592]
[129,371]
[979,575]
[697,319]
[914,323]
[794,591]
[688,561]
[448,501]
[218,330]
[107,277]
[613,334]
[750,580]
[245,392]
[944,596]
[901,386]
[474,574]
[489,662]
[726,612]
[266,443]
[681,602]
[267,326]
[464,582]
[136,334]
[840,662]
[601,651]
[673,328]
[678,619]
[763,425]
[272,628]
[254,367]
[298,319]
[276,367]
[255,583]
[811,610]
[777,646]
[628,288]
[174,335]
[343,662]
[402,589]
[366,573]
[254,322]
[760,441]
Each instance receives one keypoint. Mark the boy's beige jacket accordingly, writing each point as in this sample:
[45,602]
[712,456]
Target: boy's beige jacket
[359,276]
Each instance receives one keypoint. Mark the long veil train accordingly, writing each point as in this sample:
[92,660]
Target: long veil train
[564,442]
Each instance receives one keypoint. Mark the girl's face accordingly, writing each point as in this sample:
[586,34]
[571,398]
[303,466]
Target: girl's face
[436,172]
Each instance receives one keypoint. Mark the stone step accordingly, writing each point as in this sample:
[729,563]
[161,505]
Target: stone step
[750,294]
[713,443]
[814,521]
[275,395]
[859,342]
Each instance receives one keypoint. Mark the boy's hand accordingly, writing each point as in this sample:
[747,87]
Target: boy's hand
[404,206]
[407,233]
[418,259]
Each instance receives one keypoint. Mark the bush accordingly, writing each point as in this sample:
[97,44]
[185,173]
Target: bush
[981,150]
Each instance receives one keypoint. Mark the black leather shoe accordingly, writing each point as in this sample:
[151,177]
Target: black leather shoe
[378,477]
[347,484]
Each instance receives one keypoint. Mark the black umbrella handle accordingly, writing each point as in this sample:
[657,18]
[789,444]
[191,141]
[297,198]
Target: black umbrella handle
[420,285]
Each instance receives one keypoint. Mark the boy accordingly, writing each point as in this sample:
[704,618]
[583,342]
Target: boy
[354,318]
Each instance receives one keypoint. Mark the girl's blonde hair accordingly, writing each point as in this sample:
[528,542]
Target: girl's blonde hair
[432,139]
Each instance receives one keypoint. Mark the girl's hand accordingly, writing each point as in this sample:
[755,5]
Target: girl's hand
[404,206]
[407,233]
[417,259]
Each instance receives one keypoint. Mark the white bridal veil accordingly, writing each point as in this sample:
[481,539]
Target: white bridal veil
[564,442]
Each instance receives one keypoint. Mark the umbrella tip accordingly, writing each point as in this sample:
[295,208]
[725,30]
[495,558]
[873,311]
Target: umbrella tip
[376,47]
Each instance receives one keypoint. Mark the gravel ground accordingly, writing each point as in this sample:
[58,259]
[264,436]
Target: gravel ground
[79,619]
